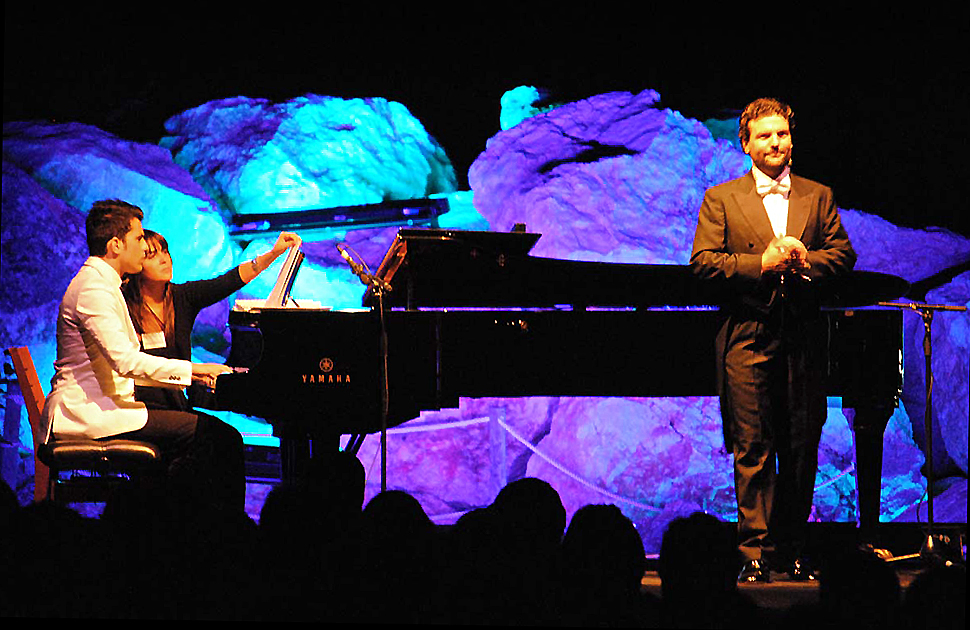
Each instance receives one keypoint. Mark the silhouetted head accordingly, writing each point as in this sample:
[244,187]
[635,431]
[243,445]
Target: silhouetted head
[532,508]
[602,549]
[397,513]
[698,554]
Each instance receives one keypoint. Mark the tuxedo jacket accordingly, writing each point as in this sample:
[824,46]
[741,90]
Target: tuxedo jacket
[99,361]
[733,231]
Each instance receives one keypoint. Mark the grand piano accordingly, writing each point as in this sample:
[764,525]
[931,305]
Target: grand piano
[453,313]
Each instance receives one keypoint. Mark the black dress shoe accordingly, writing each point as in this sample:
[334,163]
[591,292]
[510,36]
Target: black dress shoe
[802,571]
[754,571]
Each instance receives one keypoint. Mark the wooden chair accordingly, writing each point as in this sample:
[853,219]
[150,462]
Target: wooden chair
[77,469]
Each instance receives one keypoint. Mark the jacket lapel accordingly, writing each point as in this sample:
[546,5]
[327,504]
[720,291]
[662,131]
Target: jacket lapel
[753,210]
[799,204]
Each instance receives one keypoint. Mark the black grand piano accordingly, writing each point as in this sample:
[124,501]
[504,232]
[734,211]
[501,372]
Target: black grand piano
[467,313]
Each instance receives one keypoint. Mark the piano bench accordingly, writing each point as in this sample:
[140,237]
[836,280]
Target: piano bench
[68,453]
[111,464]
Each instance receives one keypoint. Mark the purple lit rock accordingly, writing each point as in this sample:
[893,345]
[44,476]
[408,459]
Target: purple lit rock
[610,178]
[80,164]
[906,252]
[951,366]
[43,246]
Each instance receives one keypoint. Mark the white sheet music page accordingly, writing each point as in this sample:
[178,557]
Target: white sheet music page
[279,297]
[284,283]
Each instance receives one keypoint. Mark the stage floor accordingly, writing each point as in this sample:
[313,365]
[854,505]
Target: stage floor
[781,593]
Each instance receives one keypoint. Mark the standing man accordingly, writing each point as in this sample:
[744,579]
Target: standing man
[99,358]
[765,240]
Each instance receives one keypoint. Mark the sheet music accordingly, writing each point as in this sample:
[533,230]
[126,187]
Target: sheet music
[280,294]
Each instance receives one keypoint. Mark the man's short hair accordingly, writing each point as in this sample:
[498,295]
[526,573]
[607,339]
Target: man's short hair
[759,109]
[107,219]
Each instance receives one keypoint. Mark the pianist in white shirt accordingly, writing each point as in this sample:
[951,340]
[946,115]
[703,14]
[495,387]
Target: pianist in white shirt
[99,359]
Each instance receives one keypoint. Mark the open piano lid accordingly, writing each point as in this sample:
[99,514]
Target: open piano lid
[441,268]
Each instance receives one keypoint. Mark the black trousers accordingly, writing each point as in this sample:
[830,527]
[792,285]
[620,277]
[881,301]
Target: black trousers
[199,451]
[774,388]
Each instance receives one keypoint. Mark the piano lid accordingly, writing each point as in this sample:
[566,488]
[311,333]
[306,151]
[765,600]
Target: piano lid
[862,288]
[440,268]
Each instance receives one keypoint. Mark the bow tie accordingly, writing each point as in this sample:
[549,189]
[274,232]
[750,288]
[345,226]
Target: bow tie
[783,187]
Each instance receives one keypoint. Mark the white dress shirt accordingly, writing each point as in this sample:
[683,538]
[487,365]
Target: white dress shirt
[775,201]
[99,360]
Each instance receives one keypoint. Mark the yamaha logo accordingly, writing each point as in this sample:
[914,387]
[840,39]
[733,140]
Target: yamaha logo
[326,376]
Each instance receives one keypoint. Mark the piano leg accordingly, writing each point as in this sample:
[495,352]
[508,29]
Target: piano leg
[294,457]
[296,450]
[868,425]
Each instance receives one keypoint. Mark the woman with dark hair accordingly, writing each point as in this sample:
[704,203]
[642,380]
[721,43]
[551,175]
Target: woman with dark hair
[164,313]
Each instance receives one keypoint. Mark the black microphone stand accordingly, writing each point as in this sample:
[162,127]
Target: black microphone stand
[934,549]
[379,287]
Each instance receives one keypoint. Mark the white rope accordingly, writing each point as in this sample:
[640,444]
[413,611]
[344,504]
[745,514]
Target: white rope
[417,428]
[849,471]
[573,475]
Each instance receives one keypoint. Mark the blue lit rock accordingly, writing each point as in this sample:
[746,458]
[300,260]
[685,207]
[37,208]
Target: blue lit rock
[254,156]
[75,165]
[520,103]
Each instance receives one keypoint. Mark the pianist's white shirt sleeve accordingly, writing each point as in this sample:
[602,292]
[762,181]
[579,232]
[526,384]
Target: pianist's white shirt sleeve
[111,330]
[99,361]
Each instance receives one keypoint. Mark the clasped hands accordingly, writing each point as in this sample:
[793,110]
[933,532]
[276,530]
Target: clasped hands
[785,254]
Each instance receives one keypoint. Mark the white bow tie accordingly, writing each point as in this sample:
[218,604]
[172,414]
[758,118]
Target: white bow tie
[783,187]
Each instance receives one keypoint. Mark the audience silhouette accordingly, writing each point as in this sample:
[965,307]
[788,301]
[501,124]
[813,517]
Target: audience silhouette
[698,576]
[603,564]
[317,553]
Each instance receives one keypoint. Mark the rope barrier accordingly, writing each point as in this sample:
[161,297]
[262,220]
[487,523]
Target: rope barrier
[571,474]
[461,424]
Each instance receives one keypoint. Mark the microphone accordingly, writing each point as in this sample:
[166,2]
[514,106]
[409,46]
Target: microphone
[358,270]
[355,267]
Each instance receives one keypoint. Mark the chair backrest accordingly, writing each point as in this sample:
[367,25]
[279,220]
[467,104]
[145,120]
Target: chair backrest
[33,395]
[30,387]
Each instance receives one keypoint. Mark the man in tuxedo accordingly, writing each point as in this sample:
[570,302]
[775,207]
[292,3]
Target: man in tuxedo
[99,358]
[766,241]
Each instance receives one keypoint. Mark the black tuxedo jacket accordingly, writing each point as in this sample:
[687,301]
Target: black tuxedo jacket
[733,231]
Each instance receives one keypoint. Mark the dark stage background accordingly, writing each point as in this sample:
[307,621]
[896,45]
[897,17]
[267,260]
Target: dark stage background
[881,102]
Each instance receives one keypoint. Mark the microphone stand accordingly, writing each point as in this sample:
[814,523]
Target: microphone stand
[933,549]
[385,386]
[379,287]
